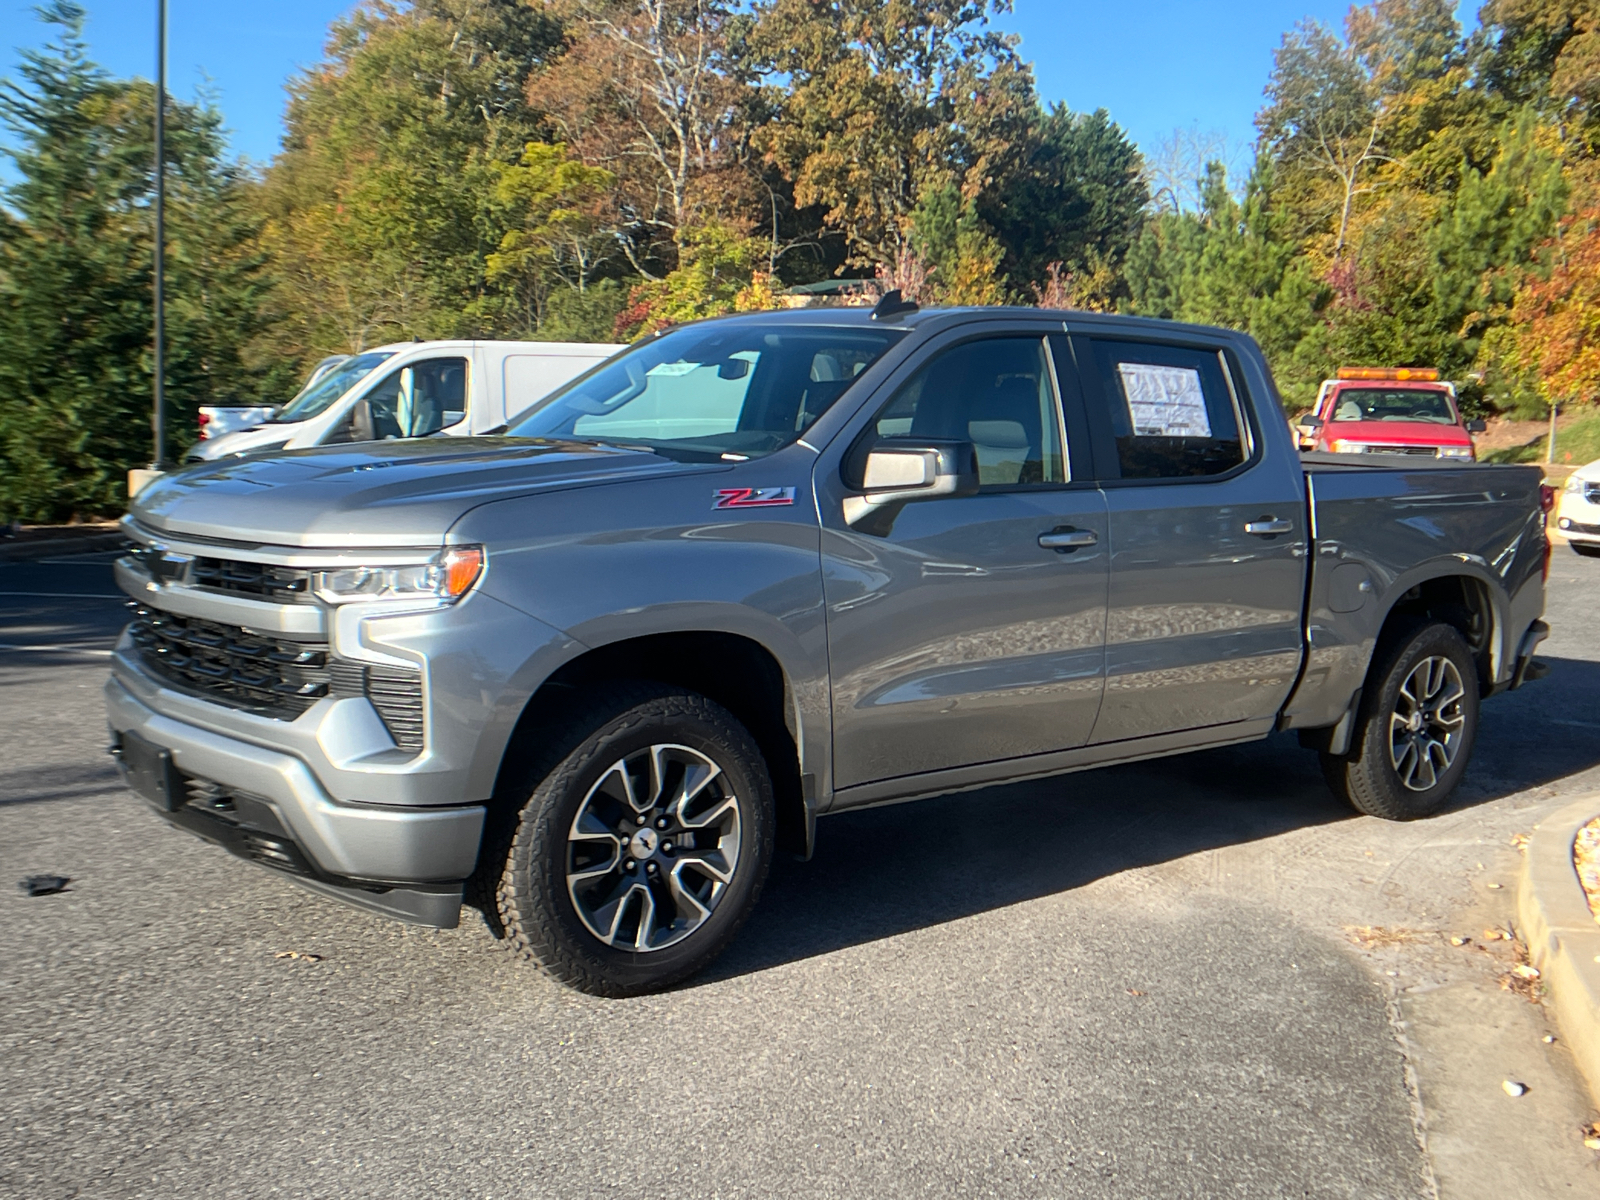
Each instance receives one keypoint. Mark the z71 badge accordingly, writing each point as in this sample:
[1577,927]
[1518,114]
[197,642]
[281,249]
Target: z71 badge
[752,497]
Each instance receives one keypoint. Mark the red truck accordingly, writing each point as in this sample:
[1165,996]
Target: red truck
[1388,410]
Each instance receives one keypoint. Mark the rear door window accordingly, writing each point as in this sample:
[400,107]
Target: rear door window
[1171,410]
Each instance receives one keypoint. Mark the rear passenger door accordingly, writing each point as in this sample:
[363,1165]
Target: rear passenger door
[1207,539]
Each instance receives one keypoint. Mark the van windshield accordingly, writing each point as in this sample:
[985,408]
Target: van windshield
[712,391]
[1394,404]
[316,398]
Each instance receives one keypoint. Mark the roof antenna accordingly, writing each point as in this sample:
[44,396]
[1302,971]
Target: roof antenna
[893,304]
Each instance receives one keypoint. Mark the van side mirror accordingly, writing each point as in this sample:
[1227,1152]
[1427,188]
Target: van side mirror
[1309,424]
[1477,426]
[899,472]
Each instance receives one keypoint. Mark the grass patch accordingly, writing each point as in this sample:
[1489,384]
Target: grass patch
[1578,437]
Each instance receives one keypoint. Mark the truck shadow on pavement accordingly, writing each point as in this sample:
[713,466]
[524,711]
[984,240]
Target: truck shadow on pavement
[881,872]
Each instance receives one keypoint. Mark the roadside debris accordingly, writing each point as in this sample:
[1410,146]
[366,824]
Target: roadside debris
[1520,841]
[298,954]
[1513,1088]
[1591,1135]
[1370,937]
[1495,887]
[1548,1039]
[1463,940]
[1497,935]
[1586,857]
[43,885]
[1523,978]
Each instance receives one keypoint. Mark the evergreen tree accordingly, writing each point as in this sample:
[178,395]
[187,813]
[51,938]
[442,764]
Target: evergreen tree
[76,258]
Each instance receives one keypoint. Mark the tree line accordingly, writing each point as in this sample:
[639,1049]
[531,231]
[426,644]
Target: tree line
[596,169]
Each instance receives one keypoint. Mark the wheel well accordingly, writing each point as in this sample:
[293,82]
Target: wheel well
[1458,600]
[736,672]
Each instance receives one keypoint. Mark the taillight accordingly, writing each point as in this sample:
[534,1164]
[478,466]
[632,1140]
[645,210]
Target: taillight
[205,419]
[1547,502]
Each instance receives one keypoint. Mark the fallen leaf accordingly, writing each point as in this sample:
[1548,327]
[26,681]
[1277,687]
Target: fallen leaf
[1496,935]
[298,954]
[1524,971]
[1520,841]
[1513,1088]
[1496,886]
[1548,1039]
[1459,941]
[1591,1135]
[1137,992]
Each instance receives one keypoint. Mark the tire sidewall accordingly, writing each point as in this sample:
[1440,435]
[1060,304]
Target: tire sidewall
[683,719]
[1425,641]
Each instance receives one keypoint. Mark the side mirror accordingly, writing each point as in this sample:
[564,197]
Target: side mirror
[899,472]
[1477,426]
[1309,424]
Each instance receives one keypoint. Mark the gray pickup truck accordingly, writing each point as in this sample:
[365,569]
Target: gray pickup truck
[592,674]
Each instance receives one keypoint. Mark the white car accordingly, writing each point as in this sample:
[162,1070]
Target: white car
[415,389]
[1578,515]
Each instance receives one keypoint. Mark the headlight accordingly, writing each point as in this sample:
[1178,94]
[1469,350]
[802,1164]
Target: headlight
[442,579]
[1455,451]
[1574,485]
[1340,446]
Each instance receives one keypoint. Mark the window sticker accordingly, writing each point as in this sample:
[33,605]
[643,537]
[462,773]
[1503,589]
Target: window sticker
[1164,401]
[674,368]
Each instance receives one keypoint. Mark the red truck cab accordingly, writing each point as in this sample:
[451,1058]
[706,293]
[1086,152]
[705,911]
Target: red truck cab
[1388,410]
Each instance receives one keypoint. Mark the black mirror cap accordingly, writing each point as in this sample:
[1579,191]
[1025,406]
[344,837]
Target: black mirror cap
[1309,421]
[1477,426]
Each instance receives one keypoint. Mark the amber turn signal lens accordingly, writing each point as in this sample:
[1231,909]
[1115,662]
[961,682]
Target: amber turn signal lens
[462,566]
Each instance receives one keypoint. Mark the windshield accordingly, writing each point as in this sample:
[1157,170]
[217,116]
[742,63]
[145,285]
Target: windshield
[1394,404]
[316,398]
[712,391]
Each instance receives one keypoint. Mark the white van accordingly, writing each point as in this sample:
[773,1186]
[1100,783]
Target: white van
[415,389]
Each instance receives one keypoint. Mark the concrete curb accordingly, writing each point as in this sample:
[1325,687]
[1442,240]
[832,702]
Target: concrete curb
[50,547]
[1562,935]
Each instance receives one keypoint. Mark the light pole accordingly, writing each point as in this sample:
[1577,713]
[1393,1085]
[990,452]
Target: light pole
[158,415]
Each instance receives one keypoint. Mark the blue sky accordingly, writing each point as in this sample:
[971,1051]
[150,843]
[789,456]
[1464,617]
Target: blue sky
[1157,65]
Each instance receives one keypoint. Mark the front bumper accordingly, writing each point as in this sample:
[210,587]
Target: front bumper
[261,804]
[1577,519]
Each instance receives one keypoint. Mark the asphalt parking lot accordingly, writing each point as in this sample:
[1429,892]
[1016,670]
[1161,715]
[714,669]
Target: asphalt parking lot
[1198,977]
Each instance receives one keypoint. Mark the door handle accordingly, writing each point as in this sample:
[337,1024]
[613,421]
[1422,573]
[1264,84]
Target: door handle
[1268,526]
[1068,539]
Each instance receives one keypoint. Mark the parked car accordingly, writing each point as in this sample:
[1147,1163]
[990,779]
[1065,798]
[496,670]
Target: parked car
[1578,516]
[589,674]
[1388,410]
[414,389]
[218,419]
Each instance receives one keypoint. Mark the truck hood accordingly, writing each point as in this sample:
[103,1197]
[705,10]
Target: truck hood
[377,494]
[1397,433]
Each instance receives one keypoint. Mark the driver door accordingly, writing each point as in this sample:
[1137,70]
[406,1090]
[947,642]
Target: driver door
[970,629]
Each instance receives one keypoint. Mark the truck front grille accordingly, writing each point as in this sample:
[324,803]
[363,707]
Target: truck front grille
[228,665]
[257,580]
[1428,451]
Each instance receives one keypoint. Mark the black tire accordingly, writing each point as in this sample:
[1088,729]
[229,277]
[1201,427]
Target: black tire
[1586,550]
[626,725]
[1391,770]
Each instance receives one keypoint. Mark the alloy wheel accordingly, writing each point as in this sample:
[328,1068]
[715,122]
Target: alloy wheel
[1426,727]
[653,847]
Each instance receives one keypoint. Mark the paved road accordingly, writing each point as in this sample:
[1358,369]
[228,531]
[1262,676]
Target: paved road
[1197,977]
